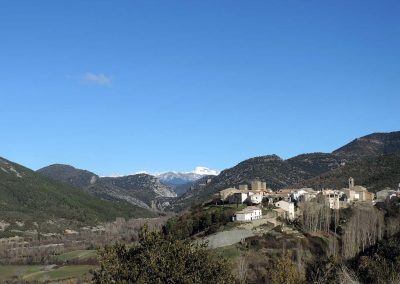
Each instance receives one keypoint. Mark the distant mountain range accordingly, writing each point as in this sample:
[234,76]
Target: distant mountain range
[74,194]
[176,178]
[141,190]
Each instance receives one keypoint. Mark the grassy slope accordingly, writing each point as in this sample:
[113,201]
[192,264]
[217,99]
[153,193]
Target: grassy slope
[8,272]
[36,198]
[61,273]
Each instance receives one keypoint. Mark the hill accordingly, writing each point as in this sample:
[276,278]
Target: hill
[141,190]
[26,196]
[375,173]
[68,174]
[279,173]
[372,145]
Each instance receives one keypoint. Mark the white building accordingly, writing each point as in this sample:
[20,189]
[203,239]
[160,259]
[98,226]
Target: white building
[332,197]
[248,214]
[288,207]
[333,201]
[256,198]
[303,194]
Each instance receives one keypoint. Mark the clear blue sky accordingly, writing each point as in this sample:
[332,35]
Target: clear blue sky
[123,86]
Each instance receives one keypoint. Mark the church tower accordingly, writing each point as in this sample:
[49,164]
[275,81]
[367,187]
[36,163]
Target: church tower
[351,182]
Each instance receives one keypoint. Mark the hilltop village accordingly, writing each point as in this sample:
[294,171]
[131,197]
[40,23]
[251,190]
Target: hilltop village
[286,203]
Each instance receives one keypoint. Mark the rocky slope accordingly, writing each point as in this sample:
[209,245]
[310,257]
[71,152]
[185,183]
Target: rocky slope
[194,185]
[142,190]
[175,179]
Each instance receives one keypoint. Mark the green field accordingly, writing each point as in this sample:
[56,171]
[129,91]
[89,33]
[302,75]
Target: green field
[64,272]
[43,273]
[75,255]
[8,272]
[51,273]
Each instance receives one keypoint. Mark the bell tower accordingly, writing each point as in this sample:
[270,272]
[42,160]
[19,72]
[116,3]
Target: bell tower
[351,182]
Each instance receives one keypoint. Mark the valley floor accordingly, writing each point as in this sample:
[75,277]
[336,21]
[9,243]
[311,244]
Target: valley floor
[56,273]
[44,273]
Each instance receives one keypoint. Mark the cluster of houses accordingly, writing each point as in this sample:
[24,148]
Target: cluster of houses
[284,200]
[255,195]
[243,194]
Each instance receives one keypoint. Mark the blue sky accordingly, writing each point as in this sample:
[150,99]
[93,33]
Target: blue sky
[123,86]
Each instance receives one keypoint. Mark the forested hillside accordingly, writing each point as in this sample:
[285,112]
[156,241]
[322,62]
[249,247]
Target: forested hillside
[26,196]
[374,173]
[141,190]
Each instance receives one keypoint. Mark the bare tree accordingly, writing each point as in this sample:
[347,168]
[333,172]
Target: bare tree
[364,229]
[242,268]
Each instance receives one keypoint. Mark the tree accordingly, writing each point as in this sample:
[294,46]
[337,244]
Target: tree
[283,271]
[316,215]
[380,263]
[157,259]
[242,268]
[364,228]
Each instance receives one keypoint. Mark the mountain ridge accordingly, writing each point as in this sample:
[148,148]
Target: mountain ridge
[28,196]
[375,173]
[277,172]
[280,173]
[141,190]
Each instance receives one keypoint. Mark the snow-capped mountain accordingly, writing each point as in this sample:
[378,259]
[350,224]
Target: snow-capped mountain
[179,178]
[203,171]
